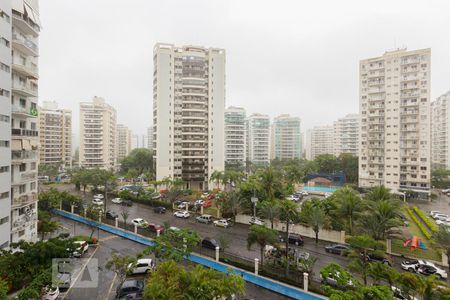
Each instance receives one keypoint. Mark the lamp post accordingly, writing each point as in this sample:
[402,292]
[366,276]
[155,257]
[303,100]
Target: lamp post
[254,201]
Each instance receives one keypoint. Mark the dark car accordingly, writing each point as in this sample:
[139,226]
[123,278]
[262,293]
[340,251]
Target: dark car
[372,257]
[127,202]
[112,215]
[209,243]
[128,287]
[159,210]
[293,238]
[155,227]
[337,249]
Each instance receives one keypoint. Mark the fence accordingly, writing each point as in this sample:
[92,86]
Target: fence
[248,276]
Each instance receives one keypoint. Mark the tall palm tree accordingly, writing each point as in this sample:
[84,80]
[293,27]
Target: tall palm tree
[382,272]
[289,213]
[316,219]
[379,193]
[349,206]
[269,182]
[269,210]
[217,176]
[263,236]
[233,203]
[422,286]
[382,219]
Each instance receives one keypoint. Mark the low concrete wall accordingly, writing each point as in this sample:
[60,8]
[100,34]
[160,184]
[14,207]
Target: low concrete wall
[324,234]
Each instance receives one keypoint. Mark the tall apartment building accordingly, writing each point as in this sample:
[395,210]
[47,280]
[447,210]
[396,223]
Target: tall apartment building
[19,33]
[395,121]
[150,137]
[235,136]
[320,141]
[286,140]
[346,135]
[258,139]
[55,135]
[440,132]
[188,112]
[123,142]
[97,134]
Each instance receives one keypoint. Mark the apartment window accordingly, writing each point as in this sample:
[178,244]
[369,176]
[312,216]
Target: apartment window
[4,195]
[4,16]
[4,143]
[4,67]
[4,169]
[23,167]
[21,233]
[4,220]
[4,118]
[33,186]
[423,176]
[4,41]
[4,92]
[33,166]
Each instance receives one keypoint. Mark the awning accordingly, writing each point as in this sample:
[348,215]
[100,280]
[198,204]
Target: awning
[16,145]
[26,145]
[32,14]
[17,5]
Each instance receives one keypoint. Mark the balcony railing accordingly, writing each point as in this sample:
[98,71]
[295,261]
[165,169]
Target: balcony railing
[24,199]
[29,111]
[19,155]
[26,44]
[24,88]
[24,132]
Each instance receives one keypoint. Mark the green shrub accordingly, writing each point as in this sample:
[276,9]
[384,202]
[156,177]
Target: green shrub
[431,225]
[418,223]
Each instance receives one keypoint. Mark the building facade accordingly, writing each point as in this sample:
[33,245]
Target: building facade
[188,113]
[55,135]
[346,135]
[258,139]
[123,142]
[440,132]
[235,136]
[395,121]
[97,135]
[286,140]
[320,141]
[150,137]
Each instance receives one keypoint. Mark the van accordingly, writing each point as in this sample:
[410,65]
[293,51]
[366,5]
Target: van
[204,219]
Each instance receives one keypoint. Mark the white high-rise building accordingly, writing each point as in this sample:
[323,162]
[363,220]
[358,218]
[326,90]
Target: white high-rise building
[395,143]
[19,34]
[440,132]
[150,137]
[188,113]
[346,135]
[235,136]
[123,142]
[286,139]
[319,141]
[258,139]
[55,135]
[97,134]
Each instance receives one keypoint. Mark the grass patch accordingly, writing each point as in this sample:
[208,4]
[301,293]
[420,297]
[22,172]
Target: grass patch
[210,211]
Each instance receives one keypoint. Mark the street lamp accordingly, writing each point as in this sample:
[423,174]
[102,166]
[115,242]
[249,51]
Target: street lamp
[254,201]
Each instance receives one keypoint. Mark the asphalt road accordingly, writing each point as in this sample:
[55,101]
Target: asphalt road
[107,283]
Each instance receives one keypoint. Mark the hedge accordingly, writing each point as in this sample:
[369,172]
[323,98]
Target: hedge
[431,225]
[418,223]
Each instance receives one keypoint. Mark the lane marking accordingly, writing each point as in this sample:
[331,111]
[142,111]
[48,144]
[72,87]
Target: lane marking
[79,274]
[110,237]
[111,286]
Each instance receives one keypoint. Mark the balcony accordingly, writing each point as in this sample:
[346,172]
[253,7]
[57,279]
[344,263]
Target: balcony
[24,111]
[24,200]
[25,45]
[29,70]
[24,132]
[20,156]
[25,25]
[24,89]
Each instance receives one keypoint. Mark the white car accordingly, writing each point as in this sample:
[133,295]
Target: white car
[199,202]
[443,222]
[50,293]
[139,222]
[99,196]
[117,201]
[142,266]
[423,267]
[446,191]
[182,214]
[97,201]
[304,193]
[441,217]
[433,212]
[222,223]
[174,228]
[183,204]
[256,221]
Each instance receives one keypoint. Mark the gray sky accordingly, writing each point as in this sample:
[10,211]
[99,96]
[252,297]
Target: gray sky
[297,57]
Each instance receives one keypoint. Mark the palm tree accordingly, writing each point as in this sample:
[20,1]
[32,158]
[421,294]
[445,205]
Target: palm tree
[442,239]
[233,204]
[217,176]
[269,210]
[269,182]
[349,205]
[262,236]
[382,219]
[289,213]
[379,193]
[423,286]
[382,272]
[315,218]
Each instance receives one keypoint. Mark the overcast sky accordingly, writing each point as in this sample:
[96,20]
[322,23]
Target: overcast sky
[297,57]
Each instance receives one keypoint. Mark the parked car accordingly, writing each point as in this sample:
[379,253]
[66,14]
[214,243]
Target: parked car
[50,293]
[333,278]
[423,267]
[204,219]
[139,222]
[446,191]
[127,202]
[182,214]
[63,280]
[174,228]
[337,249]
[117,201]
[143,265]
[129,287]
[159,210]
[97,201]
[112,215]
[207,203]
[304,193]
[433,212]
[99,196]
[183,205]
[209,243]
[293,238]
[439,216]
[225,223]
[81,248]
[256,221]
[211,196]
[155,227]
[400,295]
[445,223]
[199,202]
[372,257]
[442,218]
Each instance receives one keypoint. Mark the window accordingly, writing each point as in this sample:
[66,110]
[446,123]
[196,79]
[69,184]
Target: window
[4,41]
[4,118]
[22,189]
[4,16]
[4,67]
[4,143]
[33,166]
[4,93]
[4,169]
[23,167]
[4,220]
[4,195]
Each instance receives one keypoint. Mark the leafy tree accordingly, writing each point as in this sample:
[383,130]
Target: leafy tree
[120,265]
[307,266]
[45,224]
[232,204]
[50,170]
[288,213]
[349,165]
[315,217]
[327,163]
[382,219]
[224,242]
[262,236]
[3,290]
[140,159]
[270,182]
[440,178]
[442,239]
[348,206]
[34,289]
[379,193]
[344,275]
[50,199]
[92,214]
[124,214]
[269,210]
[171,281]
[217,176]
[381,272]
